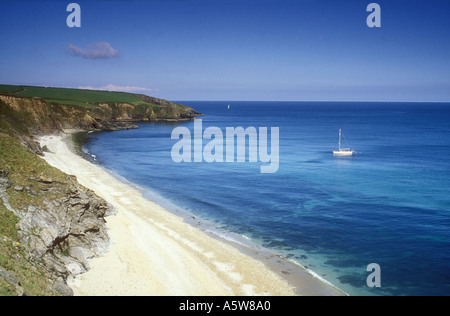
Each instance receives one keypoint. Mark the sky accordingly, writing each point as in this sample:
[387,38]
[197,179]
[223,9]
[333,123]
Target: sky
[261,50]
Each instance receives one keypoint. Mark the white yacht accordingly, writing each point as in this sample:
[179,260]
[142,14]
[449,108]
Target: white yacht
[343,151]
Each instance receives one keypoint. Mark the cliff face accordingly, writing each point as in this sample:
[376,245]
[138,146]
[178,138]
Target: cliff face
[37,117]
[50,226]
[64,233]
[60,224]
[26,118]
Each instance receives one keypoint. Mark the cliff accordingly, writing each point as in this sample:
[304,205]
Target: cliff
[58,224]
[31,111]
[50,225]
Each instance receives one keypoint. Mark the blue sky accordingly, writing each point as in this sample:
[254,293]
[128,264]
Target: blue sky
[233,49]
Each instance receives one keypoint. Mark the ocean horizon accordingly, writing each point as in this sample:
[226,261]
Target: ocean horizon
[388,204]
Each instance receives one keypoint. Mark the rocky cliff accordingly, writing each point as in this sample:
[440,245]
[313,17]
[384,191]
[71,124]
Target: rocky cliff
[37,116]
[60,224]
[50,225]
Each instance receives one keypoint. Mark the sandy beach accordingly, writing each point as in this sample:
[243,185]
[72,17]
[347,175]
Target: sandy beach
[155,252]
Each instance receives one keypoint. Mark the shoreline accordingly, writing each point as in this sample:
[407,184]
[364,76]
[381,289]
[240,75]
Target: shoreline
[154,251]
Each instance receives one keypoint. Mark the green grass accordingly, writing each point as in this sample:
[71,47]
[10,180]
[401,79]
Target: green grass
[71,96]
[69,102]
[11,120]
[9,88]
[23,165]
[8,223]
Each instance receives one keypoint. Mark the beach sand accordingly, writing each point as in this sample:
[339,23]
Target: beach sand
[155,252]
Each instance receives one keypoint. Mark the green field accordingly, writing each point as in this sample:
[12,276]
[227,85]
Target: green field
[72,96]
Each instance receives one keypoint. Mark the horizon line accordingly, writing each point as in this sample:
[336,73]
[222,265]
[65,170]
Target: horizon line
[187,100]
[360,101]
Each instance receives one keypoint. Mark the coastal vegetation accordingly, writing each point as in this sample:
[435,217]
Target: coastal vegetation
[19,273]
[50,225]
[40,110]
[81,97]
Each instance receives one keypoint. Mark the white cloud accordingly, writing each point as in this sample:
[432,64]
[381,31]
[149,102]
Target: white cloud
[112,87]
[98,50]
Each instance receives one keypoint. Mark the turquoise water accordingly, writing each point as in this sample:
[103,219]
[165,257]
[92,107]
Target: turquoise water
[389,204]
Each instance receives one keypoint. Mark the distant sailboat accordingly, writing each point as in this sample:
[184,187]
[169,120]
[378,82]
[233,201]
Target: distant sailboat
[229,106]
[343,151]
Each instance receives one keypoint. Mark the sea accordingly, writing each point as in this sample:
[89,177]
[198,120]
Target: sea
[388,204]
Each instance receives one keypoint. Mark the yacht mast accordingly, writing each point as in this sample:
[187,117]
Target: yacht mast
[340,133]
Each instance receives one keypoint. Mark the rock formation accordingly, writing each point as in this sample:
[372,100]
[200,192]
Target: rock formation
[60,224]
[63,233]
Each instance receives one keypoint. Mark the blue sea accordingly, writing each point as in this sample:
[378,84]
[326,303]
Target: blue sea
[388,204]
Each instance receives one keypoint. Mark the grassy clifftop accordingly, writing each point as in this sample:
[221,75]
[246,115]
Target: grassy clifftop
[81,97]
[41,110]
